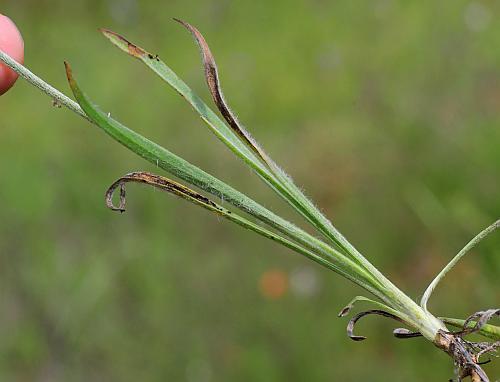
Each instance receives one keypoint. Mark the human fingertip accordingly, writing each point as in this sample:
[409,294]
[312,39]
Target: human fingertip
[11,43]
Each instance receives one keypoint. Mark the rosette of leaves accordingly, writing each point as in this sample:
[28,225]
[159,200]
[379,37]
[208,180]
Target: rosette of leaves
[332,251]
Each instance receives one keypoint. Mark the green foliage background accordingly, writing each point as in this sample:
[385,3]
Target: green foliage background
[387,112]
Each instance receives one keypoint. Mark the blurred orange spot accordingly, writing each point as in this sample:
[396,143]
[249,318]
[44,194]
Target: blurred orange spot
[273,284]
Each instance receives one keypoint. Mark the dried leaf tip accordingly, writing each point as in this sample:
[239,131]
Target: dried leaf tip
[161,183]
[122,43]
[109,196]
[71,80]
[208,58]
[403,333]
[69,73]
[212,79]
[345,310]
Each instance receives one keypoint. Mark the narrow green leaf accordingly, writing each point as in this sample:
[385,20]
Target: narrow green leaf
[471,244]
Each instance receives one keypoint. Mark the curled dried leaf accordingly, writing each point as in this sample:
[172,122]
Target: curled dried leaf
[403,333]
[347,309]
[109,196]
[357,317]
[159,182]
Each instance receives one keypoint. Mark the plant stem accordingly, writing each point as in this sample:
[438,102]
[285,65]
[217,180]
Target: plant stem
[42,85]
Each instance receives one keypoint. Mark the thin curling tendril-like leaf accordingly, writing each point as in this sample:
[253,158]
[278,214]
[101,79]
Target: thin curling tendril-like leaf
[347,309]
[471,244]
[357,317]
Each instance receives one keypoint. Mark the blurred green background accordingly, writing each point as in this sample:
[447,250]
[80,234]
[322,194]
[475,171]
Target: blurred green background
[386,112]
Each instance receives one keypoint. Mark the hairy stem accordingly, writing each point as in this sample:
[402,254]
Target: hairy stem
[36,81]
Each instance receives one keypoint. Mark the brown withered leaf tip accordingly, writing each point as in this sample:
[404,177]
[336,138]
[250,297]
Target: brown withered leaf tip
[132,49]
[345,310]
[69,72]
[212,79]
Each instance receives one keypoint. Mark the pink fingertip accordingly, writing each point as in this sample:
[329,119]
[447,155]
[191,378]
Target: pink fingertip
[11,43]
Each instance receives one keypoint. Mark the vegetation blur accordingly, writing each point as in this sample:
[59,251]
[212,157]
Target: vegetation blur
[386,112]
